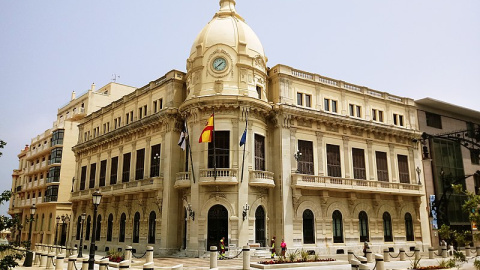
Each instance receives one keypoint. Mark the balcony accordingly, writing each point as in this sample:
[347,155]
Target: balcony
[223,176]
[261,179]
[150,184]
[303,181]
[183,180]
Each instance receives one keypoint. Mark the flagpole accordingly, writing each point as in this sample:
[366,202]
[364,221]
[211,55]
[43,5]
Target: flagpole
[189,147]
[214,149]
[243,161]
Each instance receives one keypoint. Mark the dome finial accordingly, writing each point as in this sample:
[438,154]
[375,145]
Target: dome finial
[227,7]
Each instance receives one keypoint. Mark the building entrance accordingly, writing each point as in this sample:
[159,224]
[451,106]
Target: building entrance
[260,226]
[217,225]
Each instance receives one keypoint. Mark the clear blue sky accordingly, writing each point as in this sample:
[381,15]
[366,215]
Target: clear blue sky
[49,48]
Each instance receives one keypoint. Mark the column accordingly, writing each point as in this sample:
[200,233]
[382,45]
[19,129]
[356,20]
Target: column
[346,157]
[393,160]
[148,156]
[412,167]
[320,153]
[370,156]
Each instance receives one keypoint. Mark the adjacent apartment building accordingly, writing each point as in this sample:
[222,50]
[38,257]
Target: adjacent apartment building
[325,164]
[46,169]
[450,156]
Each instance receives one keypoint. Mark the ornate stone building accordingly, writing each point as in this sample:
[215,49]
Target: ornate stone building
[326,164]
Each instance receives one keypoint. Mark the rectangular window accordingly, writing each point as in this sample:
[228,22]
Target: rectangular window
[155,161]
[299,99]
[259,152]
[108,126]
[475,156]
[119,121]
[126,117]
[160,103]
[305,160]
[53,175]
[382,166]
[115,123]
[114,171]
[145,110]
[380,116]
[154,106]
[93,171]
[126,167]
[104,128]
[403,169]
[476,180]
[140,114]
[334,106]
[333,161]
[326,104]
[359,111]
[433,120]
[400,120]
[140,164]
[222,145]
[103,173]
[374,115]
[395,119]
[131,116]
[351,109]
[259,92]
[308,100]
[83,177]
[358,156]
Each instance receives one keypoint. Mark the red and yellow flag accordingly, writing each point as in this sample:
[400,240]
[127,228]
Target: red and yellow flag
[206,135]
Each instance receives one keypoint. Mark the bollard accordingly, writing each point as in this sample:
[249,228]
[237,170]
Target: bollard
[444,251]
[71,261]
[402,255]
[362,259]
[43,259]
[50,257]
[104,264]
[363,267]
[355,264]
[386,255]
[350,255]
[74,251]
[64,250]
[128,255]
[213,257]
[149,254]
[380,264]
[467,251]
[59,262]
[36,258]
[417,254]
[369,255]
[124,264]
[84,263]
[246,257]
[148,266]
[431,253]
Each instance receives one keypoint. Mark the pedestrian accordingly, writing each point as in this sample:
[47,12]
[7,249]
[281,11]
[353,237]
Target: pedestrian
[272,244]
[222,248]
[283,245]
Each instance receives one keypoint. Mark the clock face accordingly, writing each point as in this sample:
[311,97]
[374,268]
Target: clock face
[219,64]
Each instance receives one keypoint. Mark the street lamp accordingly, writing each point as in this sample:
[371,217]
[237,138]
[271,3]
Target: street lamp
[97,197]
[65,221]
[80,248]
[56,230]
[246,207]
[297,156]
[29,255]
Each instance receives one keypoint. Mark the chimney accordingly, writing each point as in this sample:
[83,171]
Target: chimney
[73,95]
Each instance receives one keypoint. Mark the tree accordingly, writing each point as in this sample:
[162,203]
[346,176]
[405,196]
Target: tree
[11,260]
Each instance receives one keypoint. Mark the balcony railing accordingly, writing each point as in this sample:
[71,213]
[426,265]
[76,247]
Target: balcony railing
[220,176]
[150,184]
[183,180]
[261,179]
[303,181]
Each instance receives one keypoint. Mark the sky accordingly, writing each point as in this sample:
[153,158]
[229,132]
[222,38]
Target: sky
[415,49]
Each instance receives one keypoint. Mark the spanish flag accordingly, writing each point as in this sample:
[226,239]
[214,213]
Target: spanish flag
[206,135]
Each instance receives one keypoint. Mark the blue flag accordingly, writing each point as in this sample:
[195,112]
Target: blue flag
[244,137]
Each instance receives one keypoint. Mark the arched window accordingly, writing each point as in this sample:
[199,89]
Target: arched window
[110,227]
[123,220]
[337,227]
[409,226]
[99,227]
[387,227]
[151,227]
[363,226]
[79,227]
[87,231]
[308,225]
[136,227]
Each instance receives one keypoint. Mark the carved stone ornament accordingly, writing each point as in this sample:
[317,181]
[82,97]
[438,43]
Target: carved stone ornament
[258,60]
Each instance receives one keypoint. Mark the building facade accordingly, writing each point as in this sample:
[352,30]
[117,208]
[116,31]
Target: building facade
[326,164]
[46,168]
[449,157]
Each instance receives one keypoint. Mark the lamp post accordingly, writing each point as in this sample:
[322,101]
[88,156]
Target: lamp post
[297,156]
[96,197]
[29,255]
[246,207]
[56,230]
[65,221]
[80,248]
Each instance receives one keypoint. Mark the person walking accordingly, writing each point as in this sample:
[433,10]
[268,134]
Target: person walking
[222,248]
[283,245]
[272,244]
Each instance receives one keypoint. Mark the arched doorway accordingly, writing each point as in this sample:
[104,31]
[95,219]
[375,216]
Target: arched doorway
[260,226]
[217,225]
